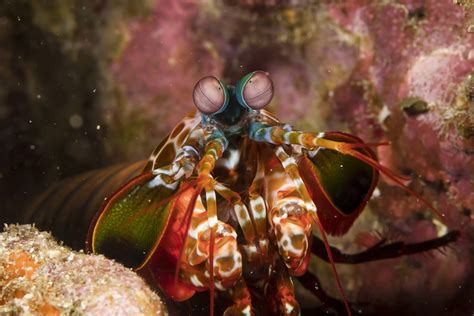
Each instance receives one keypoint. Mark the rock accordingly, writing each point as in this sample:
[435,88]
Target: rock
[40,277]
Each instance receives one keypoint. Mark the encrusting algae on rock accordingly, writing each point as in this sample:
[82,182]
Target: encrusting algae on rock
[40,277]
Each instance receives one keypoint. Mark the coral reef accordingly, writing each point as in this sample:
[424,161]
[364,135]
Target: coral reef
[40,277]
[86,84]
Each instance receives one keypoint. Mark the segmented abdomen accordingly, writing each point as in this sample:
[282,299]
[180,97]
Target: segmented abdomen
[67,207]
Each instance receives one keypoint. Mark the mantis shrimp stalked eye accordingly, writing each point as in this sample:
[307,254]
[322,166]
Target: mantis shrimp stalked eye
[255,90]
[210,96]
[227,203]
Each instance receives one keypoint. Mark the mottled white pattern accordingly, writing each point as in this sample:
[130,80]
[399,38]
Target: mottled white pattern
[158,181]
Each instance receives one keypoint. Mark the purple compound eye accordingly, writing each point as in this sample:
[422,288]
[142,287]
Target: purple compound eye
[257,90]
[210,96]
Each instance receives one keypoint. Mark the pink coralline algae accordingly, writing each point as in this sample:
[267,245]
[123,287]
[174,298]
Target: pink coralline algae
[399,72]
[165,59]
[423,51]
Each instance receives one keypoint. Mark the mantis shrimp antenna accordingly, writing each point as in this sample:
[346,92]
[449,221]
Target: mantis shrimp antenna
[331,262]
[396,178]
[187,223]
[211,272]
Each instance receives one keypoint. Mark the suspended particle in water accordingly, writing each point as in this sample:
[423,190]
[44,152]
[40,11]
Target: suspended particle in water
[75,121]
